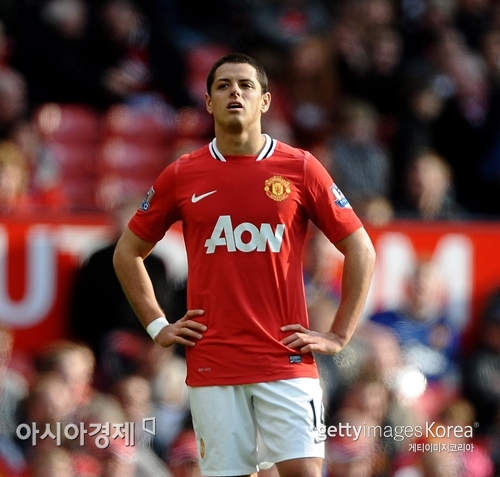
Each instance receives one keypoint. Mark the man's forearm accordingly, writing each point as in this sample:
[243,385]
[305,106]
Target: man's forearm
[136,283]
[359,263]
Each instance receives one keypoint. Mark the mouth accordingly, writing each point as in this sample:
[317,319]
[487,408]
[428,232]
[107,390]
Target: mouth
[235,105]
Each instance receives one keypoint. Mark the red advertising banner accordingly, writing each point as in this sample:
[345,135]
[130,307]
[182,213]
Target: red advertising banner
[467,254]
[40,256]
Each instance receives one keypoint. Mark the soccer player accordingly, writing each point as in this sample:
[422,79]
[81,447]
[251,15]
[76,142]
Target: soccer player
[245,201]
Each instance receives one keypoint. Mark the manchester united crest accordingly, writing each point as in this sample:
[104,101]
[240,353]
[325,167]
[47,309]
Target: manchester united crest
[277,188]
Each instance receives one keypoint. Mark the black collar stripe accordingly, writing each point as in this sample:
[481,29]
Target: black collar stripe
[268,148]
[215,152]
[267,151]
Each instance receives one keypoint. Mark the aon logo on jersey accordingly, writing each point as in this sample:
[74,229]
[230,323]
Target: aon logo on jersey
[233,239]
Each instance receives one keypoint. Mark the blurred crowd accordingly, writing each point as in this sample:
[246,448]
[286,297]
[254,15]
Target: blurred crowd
[400,100]
[402,399]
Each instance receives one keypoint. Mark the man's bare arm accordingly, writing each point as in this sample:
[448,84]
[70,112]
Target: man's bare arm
[359,263]
[128,261]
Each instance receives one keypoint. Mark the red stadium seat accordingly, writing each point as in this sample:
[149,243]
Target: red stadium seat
[75,159]
[136,124]
[68,122]
[132,160]
[112,188]
[81,192]
[200,58]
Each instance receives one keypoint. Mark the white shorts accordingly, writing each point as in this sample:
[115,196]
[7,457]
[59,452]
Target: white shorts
[239,427]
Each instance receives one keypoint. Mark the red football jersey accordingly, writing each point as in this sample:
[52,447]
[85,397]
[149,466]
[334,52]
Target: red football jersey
[244,222]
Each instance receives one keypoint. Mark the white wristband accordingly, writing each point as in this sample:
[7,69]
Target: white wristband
[156,326]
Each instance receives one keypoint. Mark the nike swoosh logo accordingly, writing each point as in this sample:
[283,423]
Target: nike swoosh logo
[196,198]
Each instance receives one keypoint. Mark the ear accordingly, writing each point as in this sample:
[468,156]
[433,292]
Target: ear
[208,103]
[266,102]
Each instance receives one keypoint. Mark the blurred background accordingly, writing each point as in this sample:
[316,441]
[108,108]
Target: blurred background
[399,99]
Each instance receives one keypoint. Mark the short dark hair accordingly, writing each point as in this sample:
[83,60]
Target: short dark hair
[238,58]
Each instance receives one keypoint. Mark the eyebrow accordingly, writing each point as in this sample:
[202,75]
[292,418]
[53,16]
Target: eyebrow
[219,80]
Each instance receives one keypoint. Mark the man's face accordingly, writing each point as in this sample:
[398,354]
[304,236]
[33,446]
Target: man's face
[236,100]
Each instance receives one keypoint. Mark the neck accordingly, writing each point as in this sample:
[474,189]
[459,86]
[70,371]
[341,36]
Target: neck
[240,144]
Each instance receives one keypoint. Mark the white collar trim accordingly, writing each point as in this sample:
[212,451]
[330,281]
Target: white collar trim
[267,150]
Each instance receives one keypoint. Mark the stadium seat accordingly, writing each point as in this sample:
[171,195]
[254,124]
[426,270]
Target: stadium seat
[112,188]
[81,192]
[132,160]
[68,122]
[75,159]
[137,124]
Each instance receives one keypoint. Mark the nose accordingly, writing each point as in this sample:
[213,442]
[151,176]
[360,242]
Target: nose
[235,89]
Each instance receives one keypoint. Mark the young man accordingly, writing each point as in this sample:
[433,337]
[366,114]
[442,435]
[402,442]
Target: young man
[245,201]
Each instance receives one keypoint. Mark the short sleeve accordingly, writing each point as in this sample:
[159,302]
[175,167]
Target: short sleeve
[326,205]
[158,210]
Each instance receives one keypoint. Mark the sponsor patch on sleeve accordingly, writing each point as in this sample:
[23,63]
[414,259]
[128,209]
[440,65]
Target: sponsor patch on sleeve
[147,200]
[340,198]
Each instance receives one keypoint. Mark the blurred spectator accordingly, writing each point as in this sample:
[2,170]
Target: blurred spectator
[473,18]
[490,50]
[14,179]
[481,369]
[45,179]
[489,179]
[311,89]
[322,288]
[72,51]
[13,100]
[351,59]
[53,53]
[467,125]
[276,26]
[13,385]
[489,166]
[74,364]
[116,456]
[421,106]
[383,78]
[428,340]
[375,396]
[182,456]
[13,390]
[346,456]
[133,393]
[49,402]
[62,393]
[368,49]
[144,63]
[220,22]
[460,413]
[4,46]
[471,461]
[170,395]
[358,162]
[422,24]
[108,311]
[321,285]
[55,462]
[428,192]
